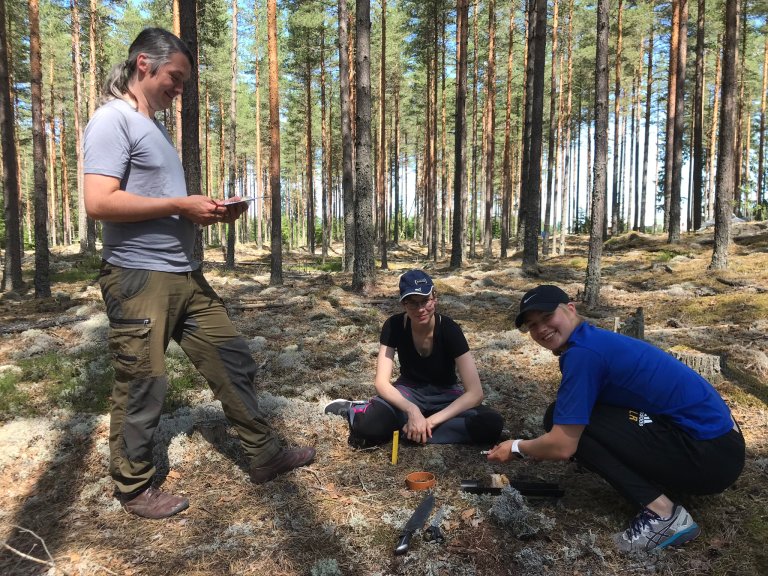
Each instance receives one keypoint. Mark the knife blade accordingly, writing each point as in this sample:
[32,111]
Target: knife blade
[433,532]
[417,520]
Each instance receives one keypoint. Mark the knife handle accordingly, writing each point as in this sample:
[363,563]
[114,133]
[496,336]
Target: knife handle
[403,543]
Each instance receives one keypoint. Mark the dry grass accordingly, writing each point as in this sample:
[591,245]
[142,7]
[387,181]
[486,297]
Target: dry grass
[315,340]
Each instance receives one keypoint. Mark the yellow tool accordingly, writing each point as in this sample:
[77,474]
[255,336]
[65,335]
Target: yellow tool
[395,441]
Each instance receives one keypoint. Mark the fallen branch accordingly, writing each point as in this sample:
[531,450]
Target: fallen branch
[50,562]
[24,326]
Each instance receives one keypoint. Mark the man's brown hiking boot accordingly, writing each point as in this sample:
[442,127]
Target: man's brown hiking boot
[154,503]
[284,461]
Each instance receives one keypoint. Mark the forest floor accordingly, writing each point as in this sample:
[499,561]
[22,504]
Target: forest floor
[315,340]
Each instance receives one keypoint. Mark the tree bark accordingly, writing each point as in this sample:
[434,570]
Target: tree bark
[507,163]
[677,159]
[698,119]
[42,262]
[276,255]
[713,133]
[647,137]
[232,178]
[309,191]
[533,184]
[489,140]
[615,196]
[669,148]
[460,136]
[190,110]
[364,274]
[761,136]
[12,277]
[553,136]
[347,174]
[726,167]
[326,153]
[381,171]
[600,181]
[475,82]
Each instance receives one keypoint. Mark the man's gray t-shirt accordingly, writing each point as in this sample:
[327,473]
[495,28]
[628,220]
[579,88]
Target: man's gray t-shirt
[123,143]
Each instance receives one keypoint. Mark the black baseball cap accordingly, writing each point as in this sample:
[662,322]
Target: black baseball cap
[544,298]
[415,282]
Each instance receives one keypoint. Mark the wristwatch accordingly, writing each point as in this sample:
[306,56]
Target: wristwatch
[516,450]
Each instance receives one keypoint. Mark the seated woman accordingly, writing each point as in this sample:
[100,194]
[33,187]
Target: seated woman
[426,402]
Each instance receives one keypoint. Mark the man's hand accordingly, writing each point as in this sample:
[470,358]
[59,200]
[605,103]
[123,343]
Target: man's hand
[501,452]
[205,211]
[233,208]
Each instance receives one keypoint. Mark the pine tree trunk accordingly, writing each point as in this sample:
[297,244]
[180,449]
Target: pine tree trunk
[443,145]
[567,140]
[600,180]
[42,261]
[507,163]
[276,255]
[615,200]
[551,155]
[698,119]
[259,188]
[326,152]
[489,140]
[347,175]
[12,277]
[364,274]
[381,171]
[178,103]
[761,136]
[475,82]
[713,133]
[533,185]
[309,191]
[677,159]
[232,178]
[726,167]
[189,129]
[669,148]
[647,131]
[460,141]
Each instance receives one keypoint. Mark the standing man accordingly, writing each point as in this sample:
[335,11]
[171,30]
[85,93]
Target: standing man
[152,288]
[645,422]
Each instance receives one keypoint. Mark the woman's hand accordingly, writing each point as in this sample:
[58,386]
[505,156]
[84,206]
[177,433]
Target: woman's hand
[501,452]
[417,429]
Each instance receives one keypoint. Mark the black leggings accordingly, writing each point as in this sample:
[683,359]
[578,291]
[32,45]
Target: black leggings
[644,456]
[376,420]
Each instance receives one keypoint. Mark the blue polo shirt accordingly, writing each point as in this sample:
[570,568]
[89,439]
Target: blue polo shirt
[602,367]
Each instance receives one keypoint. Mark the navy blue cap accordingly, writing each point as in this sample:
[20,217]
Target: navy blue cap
[544,298]
[415,282]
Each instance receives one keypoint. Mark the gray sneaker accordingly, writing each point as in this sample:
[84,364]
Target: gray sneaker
[338,407]
[649,531]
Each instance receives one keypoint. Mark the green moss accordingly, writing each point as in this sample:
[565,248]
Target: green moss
[183,378]
[85,269]
[13,402]
[735,308]
[82,382]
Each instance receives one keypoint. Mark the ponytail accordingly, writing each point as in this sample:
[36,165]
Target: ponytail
[158,45]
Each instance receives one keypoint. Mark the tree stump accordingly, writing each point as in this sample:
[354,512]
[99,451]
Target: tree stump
[633,326]
[710,366]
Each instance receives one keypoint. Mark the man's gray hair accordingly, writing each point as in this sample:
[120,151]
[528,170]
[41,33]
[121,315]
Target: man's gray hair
[158,45]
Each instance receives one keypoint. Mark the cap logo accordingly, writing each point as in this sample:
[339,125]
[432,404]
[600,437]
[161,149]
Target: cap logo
[421,281]
[525,300]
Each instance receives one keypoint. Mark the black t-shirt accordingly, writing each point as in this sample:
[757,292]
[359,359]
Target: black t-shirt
[437,369]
